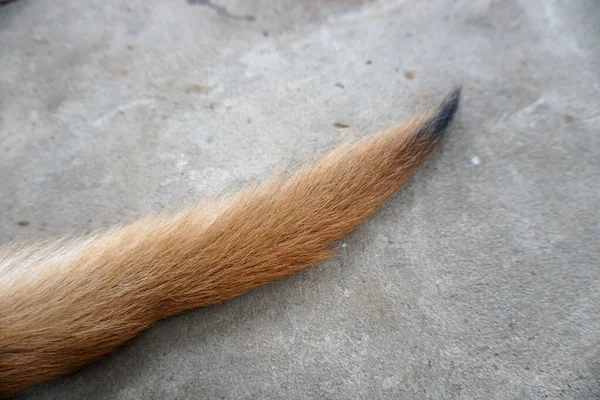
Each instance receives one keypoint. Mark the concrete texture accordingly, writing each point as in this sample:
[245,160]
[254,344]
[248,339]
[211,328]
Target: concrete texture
[479,280]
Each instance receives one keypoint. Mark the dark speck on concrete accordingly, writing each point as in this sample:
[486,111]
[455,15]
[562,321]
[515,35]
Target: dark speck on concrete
[369,62]
[23,223]
[341,125]
[222,11]
[409,74]
[338,84]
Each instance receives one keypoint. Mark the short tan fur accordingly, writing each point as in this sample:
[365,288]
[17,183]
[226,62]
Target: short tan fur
[66,304]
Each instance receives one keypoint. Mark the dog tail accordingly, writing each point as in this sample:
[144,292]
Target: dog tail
[67,304]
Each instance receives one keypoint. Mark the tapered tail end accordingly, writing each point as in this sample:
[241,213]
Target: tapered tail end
[433,129]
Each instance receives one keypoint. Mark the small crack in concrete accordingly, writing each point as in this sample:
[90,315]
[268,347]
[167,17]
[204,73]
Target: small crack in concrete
[222,11]
[6,2]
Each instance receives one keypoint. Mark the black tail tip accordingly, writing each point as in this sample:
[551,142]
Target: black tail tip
[435,127]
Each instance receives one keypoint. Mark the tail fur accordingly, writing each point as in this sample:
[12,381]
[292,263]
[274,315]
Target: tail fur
[66,304]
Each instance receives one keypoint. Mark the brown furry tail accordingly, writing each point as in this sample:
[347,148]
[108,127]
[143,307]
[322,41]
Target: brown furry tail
[66,304]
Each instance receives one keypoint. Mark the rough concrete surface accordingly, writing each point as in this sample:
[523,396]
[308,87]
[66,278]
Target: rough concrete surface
[480,279]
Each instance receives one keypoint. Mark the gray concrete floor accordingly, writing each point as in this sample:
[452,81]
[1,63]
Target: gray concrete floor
[479,280]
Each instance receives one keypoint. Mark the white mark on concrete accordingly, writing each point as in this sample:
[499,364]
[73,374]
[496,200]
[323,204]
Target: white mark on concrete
[263,60]
[106,118]
[532,107]
[107,180]
[500,120]
[33,116]
[181,162]
[344,245]
[390,383]
[475,160]
[364,13]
